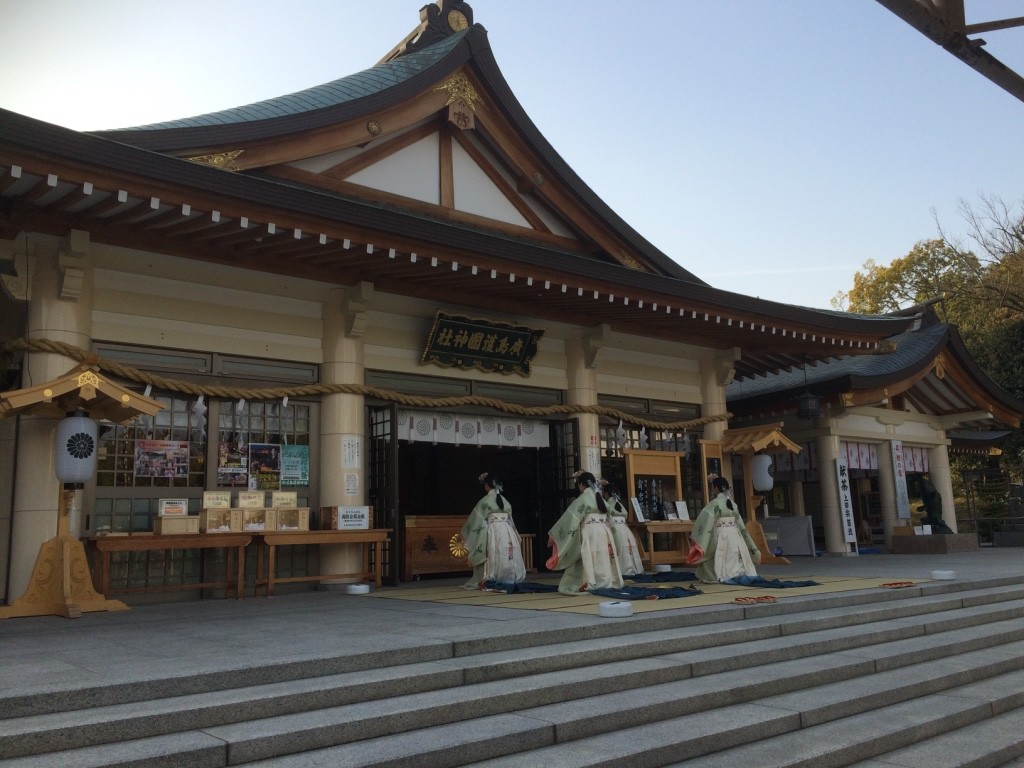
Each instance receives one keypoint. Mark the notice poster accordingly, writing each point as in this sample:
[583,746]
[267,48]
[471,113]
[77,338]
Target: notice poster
[264,466]
[899,471]
[232,466]
[294,465]
[846,502]
[161,458]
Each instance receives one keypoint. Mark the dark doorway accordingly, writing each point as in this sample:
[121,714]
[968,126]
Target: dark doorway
[442,479]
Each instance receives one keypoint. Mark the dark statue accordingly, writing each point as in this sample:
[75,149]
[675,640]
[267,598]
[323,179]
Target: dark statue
[932,506]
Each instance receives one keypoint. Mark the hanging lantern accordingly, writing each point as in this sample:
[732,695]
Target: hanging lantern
[76,450]
[761,472]
[808,406]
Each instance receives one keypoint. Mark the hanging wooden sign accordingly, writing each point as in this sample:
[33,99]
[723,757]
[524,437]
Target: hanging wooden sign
[466,342]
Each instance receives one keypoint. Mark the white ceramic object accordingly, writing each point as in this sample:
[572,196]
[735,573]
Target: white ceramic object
[615,609]
[943,575]
[357,589]
[662,568]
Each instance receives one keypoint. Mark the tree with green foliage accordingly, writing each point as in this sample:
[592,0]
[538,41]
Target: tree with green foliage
[980,290]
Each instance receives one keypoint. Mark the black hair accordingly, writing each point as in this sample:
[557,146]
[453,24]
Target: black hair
[587,480]
[490,480]
[722,485]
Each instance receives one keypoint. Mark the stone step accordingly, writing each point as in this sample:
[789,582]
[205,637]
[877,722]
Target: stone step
[682,654]
[871,734]
[986,744]
[851,651]
[732,735]
[770,734]
[639,694]
[531,655]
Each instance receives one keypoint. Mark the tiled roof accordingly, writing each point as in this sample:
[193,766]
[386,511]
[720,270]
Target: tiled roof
[912,349]
[366,83]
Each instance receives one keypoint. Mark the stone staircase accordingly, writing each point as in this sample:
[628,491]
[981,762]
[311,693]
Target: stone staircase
[931,675]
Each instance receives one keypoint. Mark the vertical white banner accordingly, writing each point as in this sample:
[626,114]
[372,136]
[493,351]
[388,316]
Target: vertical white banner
[899,471]
[846,502]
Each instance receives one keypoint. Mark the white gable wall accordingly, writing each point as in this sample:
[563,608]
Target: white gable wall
[412,172]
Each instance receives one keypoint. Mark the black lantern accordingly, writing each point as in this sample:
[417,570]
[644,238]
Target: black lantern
[808,406]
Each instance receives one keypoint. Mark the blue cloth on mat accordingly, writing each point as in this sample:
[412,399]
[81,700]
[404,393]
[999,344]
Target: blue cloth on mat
[522,586]
[645,593]
[758,581]
[646,578]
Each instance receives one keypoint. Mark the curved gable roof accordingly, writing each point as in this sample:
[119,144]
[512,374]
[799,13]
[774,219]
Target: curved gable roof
[302,110]
[929,366]
[370,91]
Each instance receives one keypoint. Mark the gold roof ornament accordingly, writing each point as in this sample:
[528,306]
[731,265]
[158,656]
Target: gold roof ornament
[459,87]
[82,388]
[222,160]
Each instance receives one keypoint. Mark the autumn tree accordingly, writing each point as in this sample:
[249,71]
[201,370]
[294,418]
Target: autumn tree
[933,272]
[979,289]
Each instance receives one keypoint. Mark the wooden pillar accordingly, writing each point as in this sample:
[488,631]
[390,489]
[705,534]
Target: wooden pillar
[582,358]
[343,417]
[828,451]
[941,477]
[887,491]
[60,309]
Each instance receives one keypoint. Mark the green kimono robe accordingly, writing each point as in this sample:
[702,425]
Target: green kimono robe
[494,547]
[720,546]
[583,548]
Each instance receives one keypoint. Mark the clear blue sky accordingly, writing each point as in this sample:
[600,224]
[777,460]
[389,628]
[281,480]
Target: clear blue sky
[769,147]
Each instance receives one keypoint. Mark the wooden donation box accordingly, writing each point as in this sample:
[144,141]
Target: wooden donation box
[433,544]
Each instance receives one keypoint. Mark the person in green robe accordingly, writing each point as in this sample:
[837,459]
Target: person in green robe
[582,546]
[720,546]
[494,548]
[626,546]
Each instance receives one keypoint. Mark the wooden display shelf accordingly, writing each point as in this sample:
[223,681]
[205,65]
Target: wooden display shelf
[234,543]
[678,533]
[372,541]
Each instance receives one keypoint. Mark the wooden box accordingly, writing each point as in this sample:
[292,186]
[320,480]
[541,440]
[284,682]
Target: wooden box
[220,520]
[346,518]
[284,499]
[252,499]
[216,499]
[293,519]
[176,524]
[256,520]
[433,544]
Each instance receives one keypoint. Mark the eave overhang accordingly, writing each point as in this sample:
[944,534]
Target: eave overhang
[940,378]
[54,180]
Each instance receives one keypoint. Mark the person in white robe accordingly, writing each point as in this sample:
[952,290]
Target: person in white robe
[494,548]
[720,546]
[581,542]
[626,548]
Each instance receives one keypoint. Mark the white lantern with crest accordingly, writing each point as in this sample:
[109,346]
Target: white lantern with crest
[75,450]
[761,472]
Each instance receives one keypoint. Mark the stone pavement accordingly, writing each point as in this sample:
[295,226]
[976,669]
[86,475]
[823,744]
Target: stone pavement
[158,641]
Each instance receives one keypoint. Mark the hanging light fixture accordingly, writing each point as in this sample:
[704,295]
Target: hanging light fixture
[808,406]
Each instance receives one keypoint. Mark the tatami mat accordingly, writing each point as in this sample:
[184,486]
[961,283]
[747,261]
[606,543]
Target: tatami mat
[711,594]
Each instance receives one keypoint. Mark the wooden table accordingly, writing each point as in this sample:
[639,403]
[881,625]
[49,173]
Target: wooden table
[678,532]
[370,539]
[234,543]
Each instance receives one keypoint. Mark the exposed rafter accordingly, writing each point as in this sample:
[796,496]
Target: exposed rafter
[944,22]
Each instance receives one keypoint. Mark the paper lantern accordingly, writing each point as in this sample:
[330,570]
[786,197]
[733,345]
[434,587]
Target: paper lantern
[761,472]
[76,450]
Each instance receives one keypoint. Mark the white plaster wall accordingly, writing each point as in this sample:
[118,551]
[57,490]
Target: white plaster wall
[883,424]
[475,192]
[411,172]
[215,308]
[664,371]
